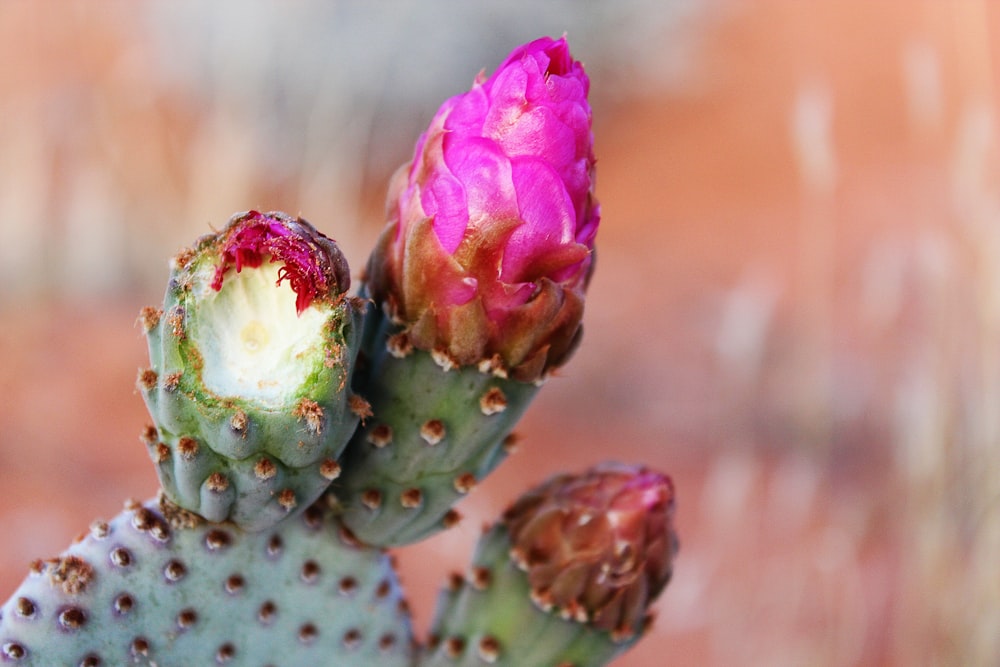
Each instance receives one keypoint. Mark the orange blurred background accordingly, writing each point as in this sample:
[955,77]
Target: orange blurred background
[796,311]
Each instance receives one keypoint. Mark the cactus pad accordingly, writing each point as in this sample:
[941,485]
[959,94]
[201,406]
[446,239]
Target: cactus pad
[158,586]
[435,432]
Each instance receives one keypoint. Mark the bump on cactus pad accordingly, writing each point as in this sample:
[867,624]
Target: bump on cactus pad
[487,616]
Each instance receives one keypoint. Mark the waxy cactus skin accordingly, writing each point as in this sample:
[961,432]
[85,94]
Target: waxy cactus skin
[251,362]
[434,434]
[156,587]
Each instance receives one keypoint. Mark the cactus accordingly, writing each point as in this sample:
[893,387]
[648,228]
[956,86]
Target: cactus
[159,586]
[267,381]
[498,199]
[248,384]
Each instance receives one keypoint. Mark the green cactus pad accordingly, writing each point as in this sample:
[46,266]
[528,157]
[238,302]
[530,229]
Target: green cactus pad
[488,617]
[435,432]
[157,586]
[249,379]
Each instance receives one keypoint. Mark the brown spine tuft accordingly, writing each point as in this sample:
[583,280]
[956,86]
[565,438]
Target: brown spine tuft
[359,407]
[380,436]
[187,447]
[312,413]
[372,499]
[411,498]
[149,318]
[217,482]
[287,500]
[265,469]
[329,469]
[432,431]
[147,379]
[465,483]
[70,573]
[493,402]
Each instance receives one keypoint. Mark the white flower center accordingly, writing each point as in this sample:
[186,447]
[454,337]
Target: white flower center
[253,343]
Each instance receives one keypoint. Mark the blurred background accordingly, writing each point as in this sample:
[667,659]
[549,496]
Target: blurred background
[796,312]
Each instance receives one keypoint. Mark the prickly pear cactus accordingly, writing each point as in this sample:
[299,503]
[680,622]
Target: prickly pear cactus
[251,362]
[158,586]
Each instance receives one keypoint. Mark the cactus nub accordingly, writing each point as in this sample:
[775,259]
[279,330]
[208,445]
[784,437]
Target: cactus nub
[250,371]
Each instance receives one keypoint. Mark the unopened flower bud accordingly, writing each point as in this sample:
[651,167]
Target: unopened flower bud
[597,547]
[491,225]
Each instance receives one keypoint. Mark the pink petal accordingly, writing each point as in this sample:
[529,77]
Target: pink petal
[485,174]
[443,198]
[547,213]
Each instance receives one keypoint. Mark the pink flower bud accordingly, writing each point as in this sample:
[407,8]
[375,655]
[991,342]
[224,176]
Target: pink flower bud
[492,224]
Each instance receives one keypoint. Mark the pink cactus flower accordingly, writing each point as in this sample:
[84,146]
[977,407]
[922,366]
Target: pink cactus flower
[491,225]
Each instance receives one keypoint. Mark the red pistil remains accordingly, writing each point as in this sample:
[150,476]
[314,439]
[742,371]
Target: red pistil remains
[302,250]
